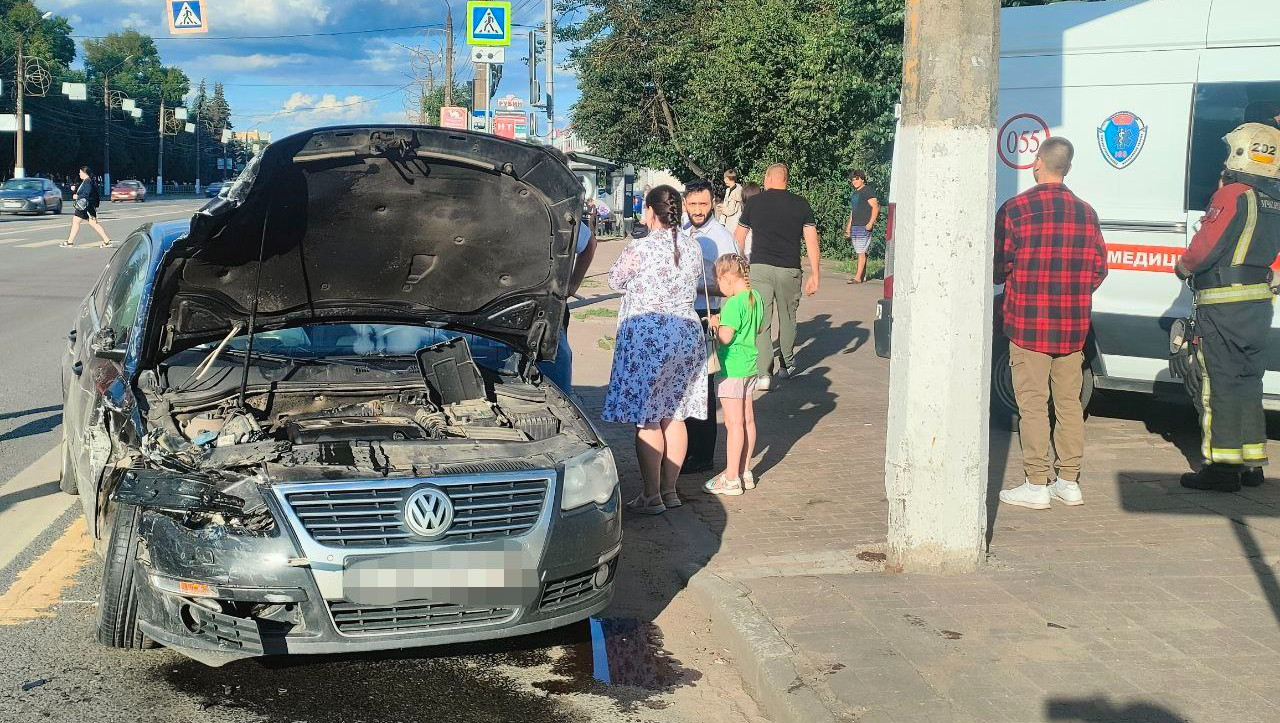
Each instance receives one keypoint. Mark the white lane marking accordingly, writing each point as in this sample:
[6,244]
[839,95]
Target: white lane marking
[11,240]
[42,244]
[24,520]
[35,224]
[55,241]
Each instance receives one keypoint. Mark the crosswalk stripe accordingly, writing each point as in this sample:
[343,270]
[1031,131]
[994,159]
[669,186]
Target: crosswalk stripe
[39,244]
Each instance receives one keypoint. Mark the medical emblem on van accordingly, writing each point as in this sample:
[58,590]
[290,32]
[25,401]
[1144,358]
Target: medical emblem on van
[1121,137]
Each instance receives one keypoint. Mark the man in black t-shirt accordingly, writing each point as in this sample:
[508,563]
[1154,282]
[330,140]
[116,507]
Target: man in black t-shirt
[779,221]
[864,211]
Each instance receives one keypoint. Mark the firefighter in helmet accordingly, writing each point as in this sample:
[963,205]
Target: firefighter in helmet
[1229,265]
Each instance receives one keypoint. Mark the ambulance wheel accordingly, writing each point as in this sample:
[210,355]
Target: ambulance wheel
[1004,401]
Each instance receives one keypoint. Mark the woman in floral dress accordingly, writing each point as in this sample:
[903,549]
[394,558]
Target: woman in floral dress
[658,379]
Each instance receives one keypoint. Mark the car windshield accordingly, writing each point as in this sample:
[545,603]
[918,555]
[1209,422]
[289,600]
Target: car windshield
[344,341]
[19,184]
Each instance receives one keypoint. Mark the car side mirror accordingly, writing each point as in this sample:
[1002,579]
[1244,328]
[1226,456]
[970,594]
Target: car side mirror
[103,344]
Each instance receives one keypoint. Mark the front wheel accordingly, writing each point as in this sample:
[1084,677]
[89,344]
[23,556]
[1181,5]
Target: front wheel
[118,601]
[57,211]
[1004,400]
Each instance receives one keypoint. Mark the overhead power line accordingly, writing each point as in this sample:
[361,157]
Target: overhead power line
[291,36]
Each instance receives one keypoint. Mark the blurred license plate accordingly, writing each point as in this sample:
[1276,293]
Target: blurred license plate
[13,204]
[461,577]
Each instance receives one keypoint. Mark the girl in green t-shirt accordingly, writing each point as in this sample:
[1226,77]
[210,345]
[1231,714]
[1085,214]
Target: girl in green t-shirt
[736,327]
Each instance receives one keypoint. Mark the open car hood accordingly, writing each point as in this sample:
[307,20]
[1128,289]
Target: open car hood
[379,224]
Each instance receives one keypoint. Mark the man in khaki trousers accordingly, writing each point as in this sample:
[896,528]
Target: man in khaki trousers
[1050,256]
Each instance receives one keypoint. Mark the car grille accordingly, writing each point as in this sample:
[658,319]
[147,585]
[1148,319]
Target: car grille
[353,619]
[371,517]
[570,590]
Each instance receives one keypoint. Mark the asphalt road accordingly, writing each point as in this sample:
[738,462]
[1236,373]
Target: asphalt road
[656,648]
[41,286]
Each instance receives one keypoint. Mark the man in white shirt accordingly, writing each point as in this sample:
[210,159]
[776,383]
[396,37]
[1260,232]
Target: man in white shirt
[715,240]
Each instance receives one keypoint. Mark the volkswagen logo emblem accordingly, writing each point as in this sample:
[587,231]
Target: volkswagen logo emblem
[428,512]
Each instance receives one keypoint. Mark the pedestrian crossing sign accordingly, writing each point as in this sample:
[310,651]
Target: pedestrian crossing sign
[488,22]
[186,16]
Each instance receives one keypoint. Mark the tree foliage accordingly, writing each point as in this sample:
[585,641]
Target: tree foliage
[700,86]
[65,133]
[433,100]
[706,86]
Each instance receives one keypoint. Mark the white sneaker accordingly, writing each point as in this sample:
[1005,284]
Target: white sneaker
[748,480]
[1035,497]
[1068,493]
[764,383]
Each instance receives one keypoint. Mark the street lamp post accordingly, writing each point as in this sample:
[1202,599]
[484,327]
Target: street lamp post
[20,85]
[107,104]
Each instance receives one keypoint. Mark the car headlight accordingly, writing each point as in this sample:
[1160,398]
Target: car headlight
[590,477]
[35,199]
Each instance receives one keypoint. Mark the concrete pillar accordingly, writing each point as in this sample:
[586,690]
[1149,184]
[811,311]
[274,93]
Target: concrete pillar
[939,380]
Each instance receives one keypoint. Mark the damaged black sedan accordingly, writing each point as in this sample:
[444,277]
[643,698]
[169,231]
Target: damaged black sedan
[310,419]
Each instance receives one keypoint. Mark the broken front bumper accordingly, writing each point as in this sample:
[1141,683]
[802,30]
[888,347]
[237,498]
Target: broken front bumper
[218,596]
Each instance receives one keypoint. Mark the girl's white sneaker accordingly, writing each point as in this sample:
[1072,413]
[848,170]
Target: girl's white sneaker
[748,481]
[718,485]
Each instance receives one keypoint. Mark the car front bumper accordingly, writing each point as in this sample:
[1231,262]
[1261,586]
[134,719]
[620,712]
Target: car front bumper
[218,597]
[12,205]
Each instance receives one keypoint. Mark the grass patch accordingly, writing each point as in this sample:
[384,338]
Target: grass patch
[875,267]
[606,343]
[596,314]
[590,283]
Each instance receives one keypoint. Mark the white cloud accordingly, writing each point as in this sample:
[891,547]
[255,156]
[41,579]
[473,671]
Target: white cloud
[303,110]
[256,61]
[385,56]
[140,22]
[260,17]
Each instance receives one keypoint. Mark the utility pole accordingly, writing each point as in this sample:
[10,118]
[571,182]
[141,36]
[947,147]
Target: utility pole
[106,131]
[160,158]
[481,93]
[197,126]
[448,56]
[551,68]
[20,84]
[940,380]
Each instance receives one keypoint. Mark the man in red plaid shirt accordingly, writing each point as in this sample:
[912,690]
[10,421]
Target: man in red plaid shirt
[1050,256]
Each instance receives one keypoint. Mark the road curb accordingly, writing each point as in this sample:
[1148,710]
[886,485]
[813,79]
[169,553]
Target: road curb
[763,658]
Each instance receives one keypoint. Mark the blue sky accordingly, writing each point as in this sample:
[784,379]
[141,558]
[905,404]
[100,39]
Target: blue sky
[284,85]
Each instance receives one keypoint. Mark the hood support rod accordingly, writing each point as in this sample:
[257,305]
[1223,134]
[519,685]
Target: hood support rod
[253,311]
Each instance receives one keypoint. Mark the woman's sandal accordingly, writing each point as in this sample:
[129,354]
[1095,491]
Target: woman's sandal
[66,245]
[671,499]
[107,245]
[643,505]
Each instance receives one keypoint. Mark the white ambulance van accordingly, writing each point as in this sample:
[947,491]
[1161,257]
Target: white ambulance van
[1145,90]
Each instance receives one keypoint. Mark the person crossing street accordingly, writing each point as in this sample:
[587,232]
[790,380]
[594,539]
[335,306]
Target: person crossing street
[1229,266]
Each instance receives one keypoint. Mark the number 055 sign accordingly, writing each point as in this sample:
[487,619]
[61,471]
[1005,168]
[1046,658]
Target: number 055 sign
[1020,138]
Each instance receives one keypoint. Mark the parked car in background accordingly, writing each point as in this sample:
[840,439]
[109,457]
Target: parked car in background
[379,417]
[30,195]
[134,191]
[214,189]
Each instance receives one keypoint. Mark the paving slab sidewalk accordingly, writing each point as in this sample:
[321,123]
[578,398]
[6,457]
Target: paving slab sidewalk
[1148,603]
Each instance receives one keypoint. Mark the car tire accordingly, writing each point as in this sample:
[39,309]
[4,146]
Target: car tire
[1004,401]
[118,600]
[57,210]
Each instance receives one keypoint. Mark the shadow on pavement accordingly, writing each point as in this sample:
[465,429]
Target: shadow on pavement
[26,412]
[1100,710]
[34,427]
[13,498]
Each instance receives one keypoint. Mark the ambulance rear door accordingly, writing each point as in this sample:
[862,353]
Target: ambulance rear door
[1238,84]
